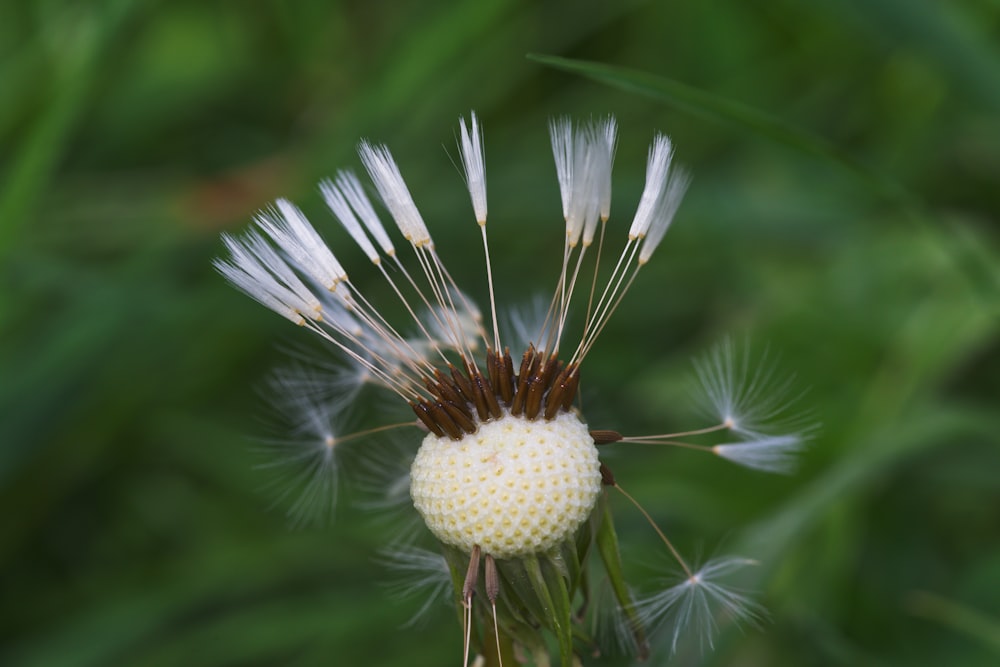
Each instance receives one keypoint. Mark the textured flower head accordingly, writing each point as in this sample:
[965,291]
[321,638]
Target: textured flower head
[508,476]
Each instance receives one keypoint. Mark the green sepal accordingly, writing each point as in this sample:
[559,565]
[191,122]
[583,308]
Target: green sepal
[607,546]
[536,596]
[457,568]
[550,587]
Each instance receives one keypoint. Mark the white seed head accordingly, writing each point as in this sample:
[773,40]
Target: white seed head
[352,189]
[292,232]
[584,156]
[474,166]
[342,210]
[661,154]
[561,132]
[255,269]
[666,207]
[514,488]
[775,454]
[388,180]
[608,129]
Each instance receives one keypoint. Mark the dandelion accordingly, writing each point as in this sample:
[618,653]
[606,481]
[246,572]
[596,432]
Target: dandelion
[418,573]
[508,476]
[694,603]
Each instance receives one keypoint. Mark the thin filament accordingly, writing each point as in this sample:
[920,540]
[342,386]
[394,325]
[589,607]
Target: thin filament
[670,546]
[493,302]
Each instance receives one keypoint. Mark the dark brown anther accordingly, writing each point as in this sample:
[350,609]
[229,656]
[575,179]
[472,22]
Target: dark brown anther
[548,371]
[492,371]
[533,401]
[447,394]
[607,477]
[554,399]
[459,416]
[487,393]
[492,580]
[572,385]
[482,408]
[423,414]
[517,405]
[506,381]
[605,437]
[447,424]
[528,363]
[446,389]
[461,383]
[527,358]
[471,575]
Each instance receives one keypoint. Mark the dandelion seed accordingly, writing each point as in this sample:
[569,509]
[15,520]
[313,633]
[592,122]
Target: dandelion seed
[249,270]
[613,630]
[661,154]
[749,398]
[474,163]
[417,574]
[507,476]
[746,403]
[389,181]
[523,322]
[774,454]
[699,603]
[295,236]
[307,462]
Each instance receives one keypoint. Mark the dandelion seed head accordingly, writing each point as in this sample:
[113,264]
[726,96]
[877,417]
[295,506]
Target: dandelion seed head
[514,488]
[506,471]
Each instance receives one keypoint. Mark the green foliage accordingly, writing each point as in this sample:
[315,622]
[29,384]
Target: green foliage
[137,530]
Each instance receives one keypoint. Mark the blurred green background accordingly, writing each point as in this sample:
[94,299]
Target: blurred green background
[137,529]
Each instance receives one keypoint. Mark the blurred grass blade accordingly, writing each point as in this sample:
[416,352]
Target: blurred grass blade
[708,105]
[77,74]
[925,428]
[957,617]
[947,34]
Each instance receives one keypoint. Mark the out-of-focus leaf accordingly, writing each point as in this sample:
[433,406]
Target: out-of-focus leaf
[702,103]
[958,617]
[32,165]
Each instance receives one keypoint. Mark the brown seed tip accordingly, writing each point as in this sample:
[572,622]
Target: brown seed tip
[605,437]
[471,575]
[607,477]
